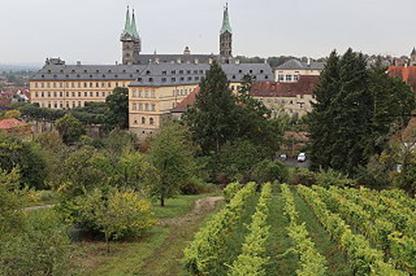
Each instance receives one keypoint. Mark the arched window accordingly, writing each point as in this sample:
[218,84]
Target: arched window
[151,121]
[143,120]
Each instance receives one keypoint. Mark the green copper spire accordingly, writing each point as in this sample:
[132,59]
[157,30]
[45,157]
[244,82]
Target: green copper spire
[133,28]
[226,26]
[127,24]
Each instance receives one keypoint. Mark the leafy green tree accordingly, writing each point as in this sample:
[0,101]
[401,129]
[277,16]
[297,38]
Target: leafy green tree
[41,248]
[11,218]
[356,112]
[70,129]
[269,171]
[213,119]
[15,153]
[134,171]
[118,105]
[236,159]
[85,169]
[171,153]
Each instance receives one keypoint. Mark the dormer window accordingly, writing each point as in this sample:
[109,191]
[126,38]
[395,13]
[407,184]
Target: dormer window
[164,73]
[62,71]
[98,71]
[124,71]
[49,71]
[116,76]
[85,71]
[73,71]
[150,79]
[148,72]
[109,71]
[91,76]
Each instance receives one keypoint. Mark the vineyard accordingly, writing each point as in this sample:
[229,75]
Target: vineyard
[298,230]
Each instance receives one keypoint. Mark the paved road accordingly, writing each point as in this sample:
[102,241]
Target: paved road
[295,163]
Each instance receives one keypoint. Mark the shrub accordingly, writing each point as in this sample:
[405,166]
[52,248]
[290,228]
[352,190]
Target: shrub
[42,248]
[333,178]
[193,186]
[269,171]
[114,213]
[302,176]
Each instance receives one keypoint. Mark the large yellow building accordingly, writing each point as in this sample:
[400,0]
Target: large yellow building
[157,83]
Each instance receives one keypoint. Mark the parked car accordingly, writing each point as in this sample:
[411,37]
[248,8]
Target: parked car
[283,157]
[302,157]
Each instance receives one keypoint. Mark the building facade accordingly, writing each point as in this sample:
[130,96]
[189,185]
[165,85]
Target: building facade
[291,70]
[163,88]
[293,98]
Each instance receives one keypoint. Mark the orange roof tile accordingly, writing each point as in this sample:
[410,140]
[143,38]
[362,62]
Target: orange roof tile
[11,123]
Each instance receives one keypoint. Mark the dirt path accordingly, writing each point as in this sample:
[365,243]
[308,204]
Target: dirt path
[28,209]
[166,260]
[201,206]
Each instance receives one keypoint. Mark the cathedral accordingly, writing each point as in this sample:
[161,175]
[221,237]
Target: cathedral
[132,46]
[157,83]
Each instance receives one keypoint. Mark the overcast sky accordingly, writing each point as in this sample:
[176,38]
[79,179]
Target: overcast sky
[89,30]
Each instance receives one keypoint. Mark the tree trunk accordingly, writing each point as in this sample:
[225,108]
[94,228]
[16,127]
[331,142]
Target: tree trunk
[162,200]
[108,243]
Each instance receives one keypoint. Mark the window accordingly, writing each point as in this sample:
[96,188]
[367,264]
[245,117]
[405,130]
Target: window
[143,120]
[141,107]
[134,107]
[97,94]
[153,107]
[296,77]
[151,121]
[146,107]
[288,77]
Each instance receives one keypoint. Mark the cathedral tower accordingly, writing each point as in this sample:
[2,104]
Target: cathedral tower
[226,38]
[130,40]
[413,57]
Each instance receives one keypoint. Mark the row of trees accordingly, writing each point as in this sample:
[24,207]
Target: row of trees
[113,113]
[357,110]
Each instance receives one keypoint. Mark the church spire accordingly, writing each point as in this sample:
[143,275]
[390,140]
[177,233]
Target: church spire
[226,26]
[127,24]
[133,28]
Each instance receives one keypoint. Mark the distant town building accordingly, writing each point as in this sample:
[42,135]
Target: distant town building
[293,98]
[291,70]
[406,73]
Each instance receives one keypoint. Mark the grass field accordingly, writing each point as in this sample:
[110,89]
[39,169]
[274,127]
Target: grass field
[156,253]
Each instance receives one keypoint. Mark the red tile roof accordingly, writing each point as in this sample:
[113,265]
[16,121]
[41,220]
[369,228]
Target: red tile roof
[11,123]
[305,86]
[188,101]
[406,73]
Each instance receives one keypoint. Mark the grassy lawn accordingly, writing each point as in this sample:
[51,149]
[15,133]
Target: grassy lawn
[157,253]
[279,242]
[175,207]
